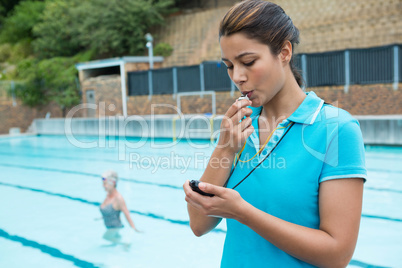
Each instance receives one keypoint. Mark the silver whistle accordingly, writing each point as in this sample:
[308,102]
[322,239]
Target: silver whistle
[242,97]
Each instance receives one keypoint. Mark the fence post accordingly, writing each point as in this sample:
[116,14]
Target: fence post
[13,93]
[174,82]
[347,71]
[202,82]
[150,87]
[304,70]
[123,88]
[396,67]
[232,88]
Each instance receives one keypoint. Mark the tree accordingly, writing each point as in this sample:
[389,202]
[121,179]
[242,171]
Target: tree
[108,27]
[6,6]
[64,32]
[17,26]
[49,80]
[57,33]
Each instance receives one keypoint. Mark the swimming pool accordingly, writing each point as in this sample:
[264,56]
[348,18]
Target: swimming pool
[51,191]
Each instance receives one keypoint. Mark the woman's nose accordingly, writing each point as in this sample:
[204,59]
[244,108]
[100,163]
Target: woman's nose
[239,76]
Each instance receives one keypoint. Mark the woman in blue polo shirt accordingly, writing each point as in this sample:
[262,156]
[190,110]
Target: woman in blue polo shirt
[289,177]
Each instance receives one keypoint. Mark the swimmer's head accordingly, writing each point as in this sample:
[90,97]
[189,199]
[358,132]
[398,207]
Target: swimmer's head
[110,177]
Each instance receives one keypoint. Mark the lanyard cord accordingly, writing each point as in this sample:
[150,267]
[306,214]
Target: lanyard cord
[237,156]
[230,175]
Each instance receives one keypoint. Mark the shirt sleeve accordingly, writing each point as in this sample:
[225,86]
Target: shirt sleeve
[344,157]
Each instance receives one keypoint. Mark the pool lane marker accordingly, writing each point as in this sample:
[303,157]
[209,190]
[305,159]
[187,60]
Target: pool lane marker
[91,159]
[383,190]
[151,215]
[151,164]
[365,265]
[91,175]
[54,252]
[145,182]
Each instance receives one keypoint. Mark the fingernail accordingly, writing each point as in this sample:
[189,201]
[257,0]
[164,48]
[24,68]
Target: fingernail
[201,185]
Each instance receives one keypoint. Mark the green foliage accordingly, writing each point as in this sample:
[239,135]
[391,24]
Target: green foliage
[32,92]
[57,33]
[45,39]
[163,49]
[124,25]
[18,24]
[20,51]
[5,52]
[49,80]
[14,53]
[108,27]
[6,6]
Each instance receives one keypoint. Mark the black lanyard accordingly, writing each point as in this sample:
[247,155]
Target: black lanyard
[230,175]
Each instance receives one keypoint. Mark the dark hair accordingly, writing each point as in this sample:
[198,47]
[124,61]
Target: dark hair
[264,21]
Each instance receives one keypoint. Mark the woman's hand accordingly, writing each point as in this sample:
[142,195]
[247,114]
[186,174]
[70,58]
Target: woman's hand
[226,203]
[234,131]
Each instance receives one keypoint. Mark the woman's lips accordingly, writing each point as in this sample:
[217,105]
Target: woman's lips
[247,93]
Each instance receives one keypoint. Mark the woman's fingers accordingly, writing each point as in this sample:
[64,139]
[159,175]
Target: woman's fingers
[236,113]
[245,123]
[236,106]
[223,204]
[243,112]
[232,128]
[193,198]
[247,132]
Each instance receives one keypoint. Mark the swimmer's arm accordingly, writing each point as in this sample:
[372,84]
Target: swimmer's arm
[123,208]
[216,173]
[333,244]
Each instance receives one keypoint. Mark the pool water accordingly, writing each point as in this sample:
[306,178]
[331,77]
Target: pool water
[51,190]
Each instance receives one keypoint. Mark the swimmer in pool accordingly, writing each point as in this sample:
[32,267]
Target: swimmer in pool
[111,207]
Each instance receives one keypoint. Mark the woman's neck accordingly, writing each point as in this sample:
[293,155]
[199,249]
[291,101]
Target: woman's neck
[284,103]
[111,193]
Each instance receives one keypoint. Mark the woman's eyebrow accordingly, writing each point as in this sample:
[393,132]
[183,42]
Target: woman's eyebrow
[239,56]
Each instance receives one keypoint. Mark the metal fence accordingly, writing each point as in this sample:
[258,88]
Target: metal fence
[348,67]
[206,76]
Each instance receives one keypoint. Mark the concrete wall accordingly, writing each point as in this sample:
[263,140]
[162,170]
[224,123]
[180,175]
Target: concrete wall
[385,130]
[377,130]
[159,126]
[21,116]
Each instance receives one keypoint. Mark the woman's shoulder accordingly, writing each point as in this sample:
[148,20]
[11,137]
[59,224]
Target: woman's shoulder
[119,199]
[330,114]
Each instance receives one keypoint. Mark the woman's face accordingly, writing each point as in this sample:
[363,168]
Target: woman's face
[252,67]
[107,185]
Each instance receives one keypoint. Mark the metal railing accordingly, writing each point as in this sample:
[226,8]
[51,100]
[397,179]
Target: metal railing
[347,67]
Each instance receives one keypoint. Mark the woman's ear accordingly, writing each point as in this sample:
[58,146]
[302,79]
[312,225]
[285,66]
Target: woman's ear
[286,52]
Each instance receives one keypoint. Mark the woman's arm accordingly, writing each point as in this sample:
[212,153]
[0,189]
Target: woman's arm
[216,173]
[122,206]
[332,245]
[232,136]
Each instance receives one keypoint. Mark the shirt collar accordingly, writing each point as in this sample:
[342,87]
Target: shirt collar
[308,110]
[306,113]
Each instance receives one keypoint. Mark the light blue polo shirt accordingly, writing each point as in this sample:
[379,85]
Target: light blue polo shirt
[325,143]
